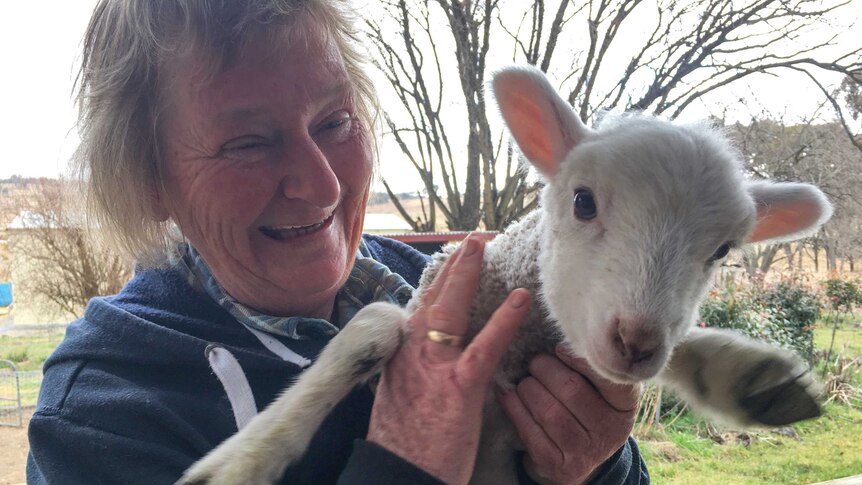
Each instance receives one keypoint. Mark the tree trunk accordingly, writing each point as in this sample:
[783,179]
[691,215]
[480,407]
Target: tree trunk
[816,251]
[788,254]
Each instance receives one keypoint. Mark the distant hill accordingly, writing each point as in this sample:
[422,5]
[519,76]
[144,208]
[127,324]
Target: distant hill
[383,197]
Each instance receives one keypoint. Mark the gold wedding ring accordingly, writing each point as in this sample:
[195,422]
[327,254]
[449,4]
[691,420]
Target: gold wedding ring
[446,339]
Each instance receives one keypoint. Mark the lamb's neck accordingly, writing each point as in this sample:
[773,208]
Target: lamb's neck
[515,252]
[511,261]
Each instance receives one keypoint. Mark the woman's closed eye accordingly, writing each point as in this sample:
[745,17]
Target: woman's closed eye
[336,123]
[247,148]
[336,127]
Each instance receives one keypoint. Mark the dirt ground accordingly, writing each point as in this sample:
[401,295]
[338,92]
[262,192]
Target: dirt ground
[13,453]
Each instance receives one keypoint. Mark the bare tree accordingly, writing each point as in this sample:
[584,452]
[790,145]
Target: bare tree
[851,86]
[817,153]
[418,74]
[55,257]
[423,139]
[682,53]
[5,272]
[759,259]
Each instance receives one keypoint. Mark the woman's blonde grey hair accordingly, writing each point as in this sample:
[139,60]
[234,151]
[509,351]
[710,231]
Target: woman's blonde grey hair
[126,48]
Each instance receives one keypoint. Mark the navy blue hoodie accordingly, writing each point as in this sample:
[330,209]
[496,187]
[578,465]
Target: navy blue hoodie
[129,396]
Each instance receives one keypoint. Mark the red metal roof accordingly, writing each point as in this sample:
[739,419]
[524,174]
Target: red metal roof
[434,237]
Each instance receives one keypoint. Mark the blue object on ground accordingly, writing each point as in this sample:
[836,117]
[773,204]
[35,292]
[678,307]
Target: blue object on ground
[5,294]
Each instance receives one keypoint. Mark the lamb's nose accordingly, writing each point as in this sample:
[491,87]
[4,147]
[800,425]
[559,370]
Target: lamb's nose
[637,354]
[636,341]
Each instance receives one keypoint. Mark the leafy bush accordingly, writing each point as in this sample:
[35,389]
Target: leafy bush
[782,314]
[842,295]
[800,308]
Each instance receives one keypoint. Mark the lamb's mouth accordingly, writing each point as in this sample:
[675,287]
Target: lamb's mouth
[610,372]
[281,233]
[613,372]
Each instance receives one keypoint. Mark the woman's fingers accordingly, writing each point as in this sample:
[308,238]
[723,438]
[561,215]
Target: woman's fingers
[555,417]
[481,357]
[447,317]
[529,430]
[433,291]
[570,388]
[567,418]
[621,397]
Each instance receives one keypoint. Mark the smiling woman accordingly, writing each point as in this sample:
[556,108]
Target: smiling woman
[228,146]
[266,170]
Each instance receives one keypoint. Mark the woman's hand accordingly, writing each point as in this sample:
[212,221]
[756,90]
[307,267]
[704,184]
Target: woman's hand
[428,407]
[570,419]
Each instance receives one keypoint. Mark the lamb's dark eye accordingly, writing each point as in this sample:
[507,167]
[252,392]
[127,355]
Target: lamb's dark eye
[585,205]
[720,252]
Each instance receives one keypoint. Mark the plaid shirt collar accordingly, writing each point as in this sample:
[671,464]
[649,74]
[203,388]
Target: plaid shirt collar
[369,281]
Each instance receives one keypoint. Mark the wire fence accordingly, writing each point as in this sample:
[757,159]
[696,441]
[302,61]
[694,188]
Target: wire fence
[18,392]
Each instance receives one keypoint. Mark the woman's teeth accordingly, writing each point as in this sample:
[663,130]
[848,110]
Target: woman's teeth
[286,232]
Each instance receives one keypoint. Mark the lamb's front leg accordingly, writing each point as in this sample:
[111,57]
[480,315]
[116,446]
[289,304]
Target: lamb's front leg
[740,380]
[279,436]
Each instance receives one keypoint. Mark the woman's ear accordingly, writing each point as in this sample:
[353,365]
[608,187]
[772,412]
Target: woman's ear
[156,197]
[787,211]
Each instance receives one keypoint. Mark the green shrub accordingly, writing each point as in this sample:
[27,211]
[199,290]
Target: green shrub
[781,314]
[799,308]
[842,295]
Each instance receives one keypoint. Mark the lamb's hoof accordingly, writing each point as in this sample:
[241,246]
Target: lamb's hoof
[218,479]
[792,399]
[201,481]
[218,468]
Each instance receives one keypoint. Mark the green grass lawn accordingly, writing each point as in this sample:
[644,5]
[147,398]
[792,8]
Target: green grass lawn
[849,333]
[826,448]
[29,352]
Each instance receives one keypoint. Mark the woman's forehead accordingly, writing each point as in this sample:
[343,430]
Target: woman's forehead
[299,41]
[305,66]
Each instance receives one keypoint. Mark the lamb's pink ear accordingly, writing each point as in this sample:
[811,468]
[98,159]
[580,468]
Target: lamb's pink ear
[787,211]
[541,122]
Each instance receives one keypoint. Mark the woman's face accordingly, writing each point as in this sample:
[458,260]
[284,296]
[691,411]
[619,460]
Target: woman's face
[266,169]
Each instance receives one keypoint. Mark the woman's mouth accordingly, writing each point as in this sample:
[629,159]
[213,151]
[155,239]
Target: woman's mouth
[282,233]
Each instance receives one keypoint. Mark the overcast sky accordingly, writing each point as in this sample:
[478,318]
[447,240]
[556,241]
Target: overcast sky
[39,44]
[39,49]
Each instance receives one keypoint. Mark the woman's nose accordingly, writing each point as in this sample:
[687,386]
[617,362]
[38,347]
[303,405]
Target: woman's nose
[307,174]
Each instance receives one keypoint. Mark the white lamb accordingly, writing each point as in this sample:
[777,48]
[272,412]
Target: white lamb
[634,220]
